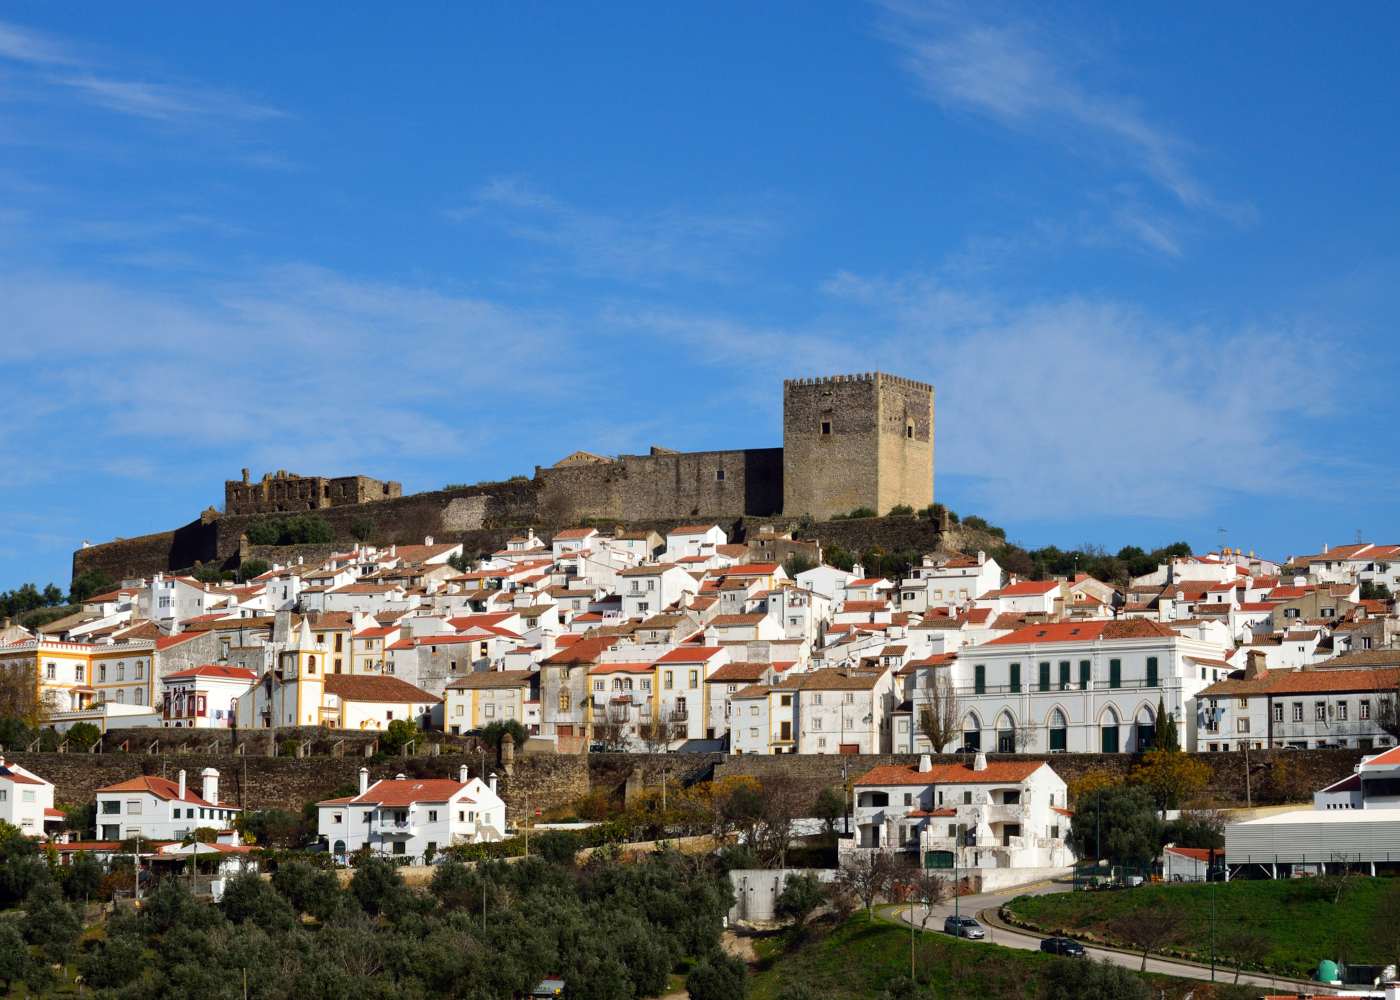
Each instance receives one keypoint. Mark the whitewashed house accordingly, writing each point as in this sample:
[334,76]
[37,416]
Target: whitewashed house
[1268,708]
[1082,687]
[680,687]
[204,697]
[983,817]
[649,589]
[26,800]
[412,817]
[948,582]
[156,808]
[694,540]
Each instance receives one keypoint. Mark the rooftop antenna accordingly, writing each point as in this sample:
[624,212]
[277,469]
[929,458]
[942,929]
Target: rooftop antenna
[1358,536]
[1221,532]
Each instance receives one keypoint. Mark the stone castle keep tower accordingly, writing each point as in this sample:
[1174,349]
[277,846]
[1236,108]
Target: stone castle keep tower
[854,441]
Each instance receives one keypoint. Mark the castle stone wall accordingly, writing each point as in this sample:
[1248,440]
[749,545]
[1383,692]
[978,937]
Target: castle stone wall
[905,443]
[830,453]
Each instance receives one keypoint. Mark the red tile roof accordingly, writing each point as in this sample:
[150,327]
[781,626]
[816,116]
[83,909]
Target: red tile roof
[360,687]
[163,788]
[215,670]
[1028,588]
[395,792]
[997,772]
[1107,630]
[691,654]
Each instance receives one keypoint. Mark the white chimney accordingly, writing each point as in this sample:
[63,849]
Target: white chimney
[364,780]
[491,782]
[462,774]
[1325,548]
[925,763]
[182,783]
[427,539]
[858,571]
[210,780]
[979,763]
[981,558]
[400,777]
[547,644]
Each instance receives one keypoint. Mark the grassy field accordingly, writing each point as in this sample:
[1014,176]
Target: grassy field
[856,959]
[1296,921]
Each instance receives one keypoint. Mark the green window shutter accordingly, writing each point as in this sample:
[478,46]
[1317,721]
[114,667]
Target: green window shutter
[1084,671]
[1115,673]
[1057,739]
[1045,676]
[1152,671]
[979,679]
[1015,678]
[1064,675]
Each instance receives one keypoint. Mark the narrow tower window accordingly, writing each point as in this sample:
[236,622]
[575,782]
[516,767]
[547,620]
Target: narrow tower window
[826,426]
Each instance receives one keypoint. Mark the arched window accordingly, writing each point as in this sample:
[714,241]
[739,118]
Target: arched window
[1059,732]
[1006,733]
[972,732]
[1145,728]
[1108,732]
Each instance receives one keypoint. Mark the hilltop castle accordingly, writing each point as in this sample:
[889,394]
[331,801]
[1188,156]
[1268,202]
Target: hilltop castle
[849,442]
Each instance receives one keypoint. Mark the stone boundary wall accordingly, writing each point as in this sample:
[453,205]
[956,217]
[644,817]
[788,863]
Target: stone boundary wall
[556,781]
[1275,776]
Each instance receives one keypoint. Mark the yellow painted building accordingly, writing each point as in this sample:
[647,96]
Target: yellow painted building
[71,676]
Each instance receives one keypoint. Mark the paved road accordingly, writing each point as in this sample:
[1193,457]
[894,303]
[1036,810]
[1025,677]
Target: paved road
[1029,941]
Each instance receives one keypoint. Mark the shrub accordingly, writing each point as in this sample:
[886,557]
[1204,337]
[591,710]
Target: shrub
[901,510]
[864,512]
[717,977]
[82,735]
[251,568]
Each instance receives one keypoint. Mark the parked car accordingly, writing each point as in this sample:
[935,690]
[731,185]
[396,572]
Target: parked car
[1068,947]
[1132,881]
[964,927]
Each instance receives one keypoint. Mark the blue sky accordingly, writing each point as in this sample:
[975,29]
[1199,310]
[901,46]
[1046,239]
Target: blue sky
[1148,263]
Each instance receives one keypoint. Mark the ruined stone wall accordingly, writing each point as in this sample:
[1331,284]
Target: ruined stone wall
[148,554]
[282,492]
[681,485]
[493,510]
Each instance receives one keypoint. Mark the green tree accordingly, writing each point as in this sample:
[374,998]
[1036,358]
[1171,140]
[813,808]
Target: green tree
[50,923]
[362,528]
[88,583]
[263,531]
[272,827]
[82,878]
[248,569]
[309,890]
[830,808]
[114,962]
[1077,979]
[800,898]
[1126,821]
[493,735]
[377,886]
[15,963]
[82,735]
[399,734]
[1171,778]
[248,898]
[1165,738]
[717,976]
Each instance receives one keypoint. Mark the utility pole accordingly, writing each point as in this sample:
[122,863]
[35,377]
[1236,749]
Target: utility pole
[527,824]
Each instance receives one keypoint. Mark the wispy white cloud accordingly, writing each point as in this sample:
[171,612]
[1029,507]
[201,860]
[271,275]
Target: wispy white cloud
[167,102]
[642,246]
[24,45]
[45,66]
[1015,72]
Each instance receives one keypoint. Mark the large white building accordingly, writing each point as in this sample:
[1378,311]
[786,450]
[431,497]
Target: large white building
[986,815]
[1354,823]
[1298,708]
[1080,687]
[26,800]
[160,809]
[410,817]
